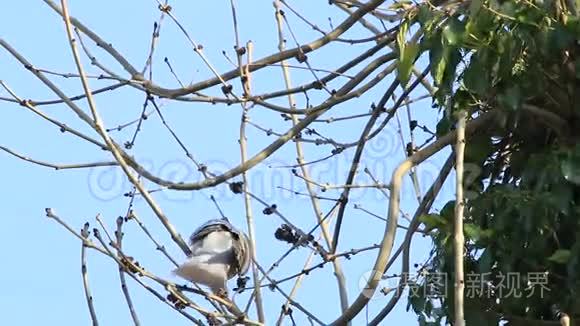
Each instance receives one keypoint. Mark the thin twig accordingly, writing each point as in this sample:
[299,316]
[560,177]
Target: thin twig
[119,244]
[391,228]
[62,127]
[364,138]
[243,153]
[340,278]
[292,302]
[97,124]
[57,166]
[84,271]
[105,251]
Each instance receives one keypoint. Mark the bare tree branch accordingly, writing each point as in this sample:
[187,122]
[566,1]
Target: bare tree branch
[458,238]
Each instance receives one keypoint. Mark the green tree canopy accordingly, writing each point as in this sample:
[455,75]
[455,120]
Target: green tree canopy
[517,60]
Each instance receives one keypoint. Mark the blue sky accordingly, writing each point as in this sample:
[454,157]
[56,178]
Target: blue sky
[40,280]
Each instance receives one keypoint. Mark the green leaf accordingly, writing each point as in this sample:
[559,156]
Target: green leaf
[561,196]
[572,24]
[402,36]
[507,60]
[425,15]
[477,317]
[570,168]
[428,308]
[476,78]
[554,39]
[560,256]
[422,320]
[405,63]
[529,16]
[417,300]
[407,54]
[453,32]
[560,38]
[433,221]
[474,7]
[448,211]
[437,58]
[443,60]
[511,98]
[485,261]
[472,231]
[453,59]
[508,8]
[478,150]
[443,127]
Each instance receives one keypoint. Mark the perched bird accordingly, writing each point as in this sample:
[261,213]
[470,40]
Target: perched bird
[219,252]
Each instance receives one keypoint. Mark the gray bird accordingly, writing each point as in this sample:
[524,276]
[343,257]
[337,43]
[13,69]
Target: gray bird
[219,252]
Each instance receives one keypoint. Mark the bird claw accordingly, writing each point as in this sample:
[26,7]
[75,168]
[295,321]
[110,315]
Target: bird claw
[222,293]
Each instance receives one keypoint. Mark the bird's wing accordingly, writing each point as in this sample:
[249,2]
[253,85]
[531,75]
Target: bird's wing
[242,252]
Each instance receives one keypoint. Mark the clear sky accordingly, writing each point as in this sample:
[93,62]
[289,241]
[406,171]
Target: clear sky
[40,279]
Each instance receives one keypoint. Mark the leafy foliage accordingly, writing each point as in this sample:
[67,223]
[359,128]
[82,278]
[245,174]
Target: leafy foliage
[520,60]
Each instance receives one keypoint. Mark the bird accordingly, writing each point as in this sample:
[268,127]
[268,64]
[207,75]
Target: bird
[219,251]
